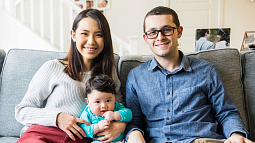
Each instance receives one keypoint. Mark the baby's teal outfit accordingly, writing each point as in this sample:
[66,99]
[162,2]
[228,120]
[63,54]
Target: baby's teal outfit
[87,115]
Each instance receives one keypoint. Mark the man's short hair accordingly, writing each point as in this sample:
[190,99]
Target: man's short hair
[102,83]
[203,31]
[161,10]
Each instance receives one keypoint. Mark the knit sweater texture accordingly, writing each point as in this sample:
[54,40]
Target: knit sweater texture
[50,92]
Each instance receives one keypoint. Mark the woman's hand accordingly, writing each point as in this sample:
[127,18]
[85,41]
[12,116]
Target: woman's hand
[116,128]
[68,123]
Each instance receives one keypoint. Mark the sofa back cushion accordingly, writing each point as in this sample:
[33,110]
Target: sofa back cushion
[248,63]
[19,67]
[2,56]
[227,62]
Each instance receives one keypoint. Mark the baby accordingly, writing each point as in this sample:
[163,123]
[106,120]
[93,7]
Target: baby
[102,108]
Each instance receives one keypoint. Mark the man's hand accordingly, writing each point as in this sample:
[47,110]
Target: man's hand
[68,123]
[237,138]
[136,137]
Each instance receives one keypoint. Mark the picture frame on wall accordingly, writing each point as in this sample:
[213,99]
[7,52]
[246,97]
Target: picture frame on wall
[80,6]
[213,35]
[90,4]
[79,3]
[102,4]
[248,41]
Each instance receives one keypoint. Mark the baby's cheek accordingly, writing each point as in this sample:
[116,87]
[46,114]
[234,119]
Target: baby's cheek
[96,111]
[111,108]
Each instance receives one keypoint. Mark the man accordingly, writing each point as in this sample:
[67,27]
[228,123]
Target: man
[175,98]
[203,43]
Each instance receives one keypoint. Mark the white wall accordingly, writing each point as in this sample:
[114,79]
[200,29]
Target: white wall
[240,17]
[126,18]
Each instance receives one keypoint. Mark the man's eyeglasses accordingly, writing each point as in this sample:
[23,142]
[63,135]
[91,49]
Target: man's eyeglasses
[164,31]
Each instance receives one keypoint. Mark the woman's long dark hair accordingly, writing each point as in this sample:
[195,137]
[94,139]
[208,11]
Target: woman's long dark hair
[103,63]
[224,33]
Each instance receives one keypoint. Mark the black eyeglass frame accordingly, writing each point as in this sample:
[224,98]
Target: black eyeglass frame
[161,32]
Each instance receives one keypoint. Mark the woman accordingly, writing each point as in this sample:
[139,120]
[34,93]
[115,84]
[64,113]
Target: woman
[223,38]
[55,96]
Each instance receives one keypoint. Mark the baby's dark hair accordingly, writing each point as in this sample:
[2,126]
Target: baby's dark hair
[102,83]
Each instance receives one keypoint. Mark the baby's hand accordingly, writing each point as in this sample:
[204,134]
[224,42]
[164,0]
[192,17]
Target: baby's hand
[109,116]
[104,124]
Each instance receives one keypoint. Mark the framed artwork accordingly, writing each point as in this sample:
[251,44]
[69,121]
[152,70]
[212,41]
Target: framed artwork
[248,41]
[90,4]
[80,6]
[213,36]
[79,3]
[102,4]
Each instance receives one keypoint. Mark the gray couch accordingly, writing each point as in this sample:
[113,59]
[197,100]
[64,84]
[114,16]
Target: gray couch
[19,66]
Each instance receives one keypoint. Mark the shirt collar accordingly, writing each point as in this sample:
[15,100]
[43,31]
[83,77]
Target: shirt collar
[185,64]
[203,38]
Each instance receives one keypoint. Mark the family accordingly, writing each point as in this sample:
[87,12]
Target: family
[171,98]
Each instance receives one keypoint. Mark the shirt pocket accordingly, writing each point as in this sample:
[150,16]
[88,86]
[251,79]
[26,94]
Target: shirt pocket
[190,99]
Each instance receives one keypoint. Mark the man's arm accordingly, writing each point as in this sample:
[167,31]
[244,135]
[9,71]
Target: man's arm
[132,102]
[225,110]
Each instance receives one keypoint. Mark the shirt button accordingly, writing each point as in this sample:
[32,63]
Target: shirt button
[168,110]
[168,93]
[167,118]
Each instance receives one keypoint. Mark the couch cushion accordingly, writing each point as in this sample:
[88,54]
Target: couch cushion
[116,60]
[18,69]
[227,62]
[248,62]
[8,139]
[126,63]
[2,56]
